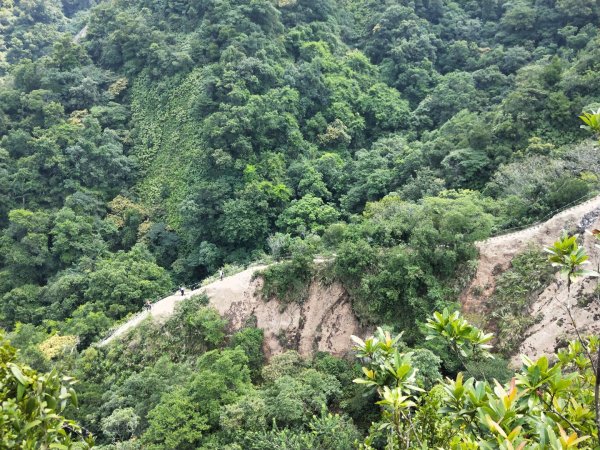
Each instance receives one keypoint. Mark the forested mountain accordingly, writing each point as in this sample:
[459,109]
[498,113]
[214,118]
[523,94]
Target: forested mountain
[145,144]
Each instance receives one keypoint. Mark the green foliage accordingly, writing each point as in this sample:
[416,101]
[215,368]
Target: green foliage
[591,121]
[191,401]
[427,365]
[463,337]
[307,215]
[397,262]
[543,406]
[288,281]
[569,258]
[33,405]
[515,290]
[197,327]
[121,424]
[169,139]
[175,423]
[87,324]
[251,341]
[327,431]
[121,282]
[292,399]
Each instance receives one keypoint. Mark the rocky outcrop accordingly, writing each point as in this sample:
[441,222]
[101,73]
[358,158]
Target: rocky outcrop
[553,327]
[323,322]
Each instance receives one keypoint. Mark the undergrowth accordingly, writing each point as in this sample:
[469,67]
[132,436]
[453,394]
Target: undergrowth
[288,281]
[516,290]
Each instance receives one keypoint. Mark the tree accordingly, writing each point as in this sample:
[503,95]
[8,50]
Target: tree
[121,424]
[73,237]
[25,245]
[309,214]
[122,281]
[198,328]
[456,91]
[242,223]
[175,423]
[87,323]
[465,167]
[292,399]
[251,341]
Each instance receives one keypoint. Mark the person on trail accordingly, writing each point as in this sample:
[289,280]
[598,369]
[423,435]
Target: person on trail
[148,305]
[181,290]
[221,273]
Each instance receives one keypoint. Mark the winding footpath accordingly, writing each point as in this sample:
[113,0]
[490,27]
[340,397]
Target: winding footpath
[494,251]
[164,308]
[577,210]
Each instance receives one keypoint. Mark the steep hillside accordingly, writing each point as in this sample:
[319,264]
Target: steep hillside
[552,326]
[146,144]
[324,322]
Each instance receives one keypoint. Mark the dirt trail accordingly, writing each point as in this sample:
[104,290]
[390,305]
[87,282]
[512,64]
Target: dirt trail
[552,325]
[232,286]
[495,254]
[324,322]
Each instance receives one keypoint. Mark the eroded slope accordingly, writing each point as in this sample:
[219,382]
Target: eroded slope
[324,322]
[552,326]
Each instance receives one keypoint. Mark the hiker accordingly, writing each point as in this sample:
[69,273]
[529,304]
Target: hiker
[148,305]
[181,290]
[221,273]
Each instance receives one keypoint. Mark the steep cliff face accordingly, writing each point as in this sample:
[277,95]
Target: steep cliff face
[552,325]
[324,322]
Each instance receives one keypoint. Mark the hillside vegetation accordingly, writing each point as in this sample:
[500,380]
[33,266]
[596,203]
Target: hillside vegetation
[173,138]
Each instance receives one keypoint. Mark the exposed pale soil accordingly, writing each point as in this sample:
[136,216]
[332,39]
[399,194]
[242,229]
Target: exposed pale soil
[553,325]
[324,322]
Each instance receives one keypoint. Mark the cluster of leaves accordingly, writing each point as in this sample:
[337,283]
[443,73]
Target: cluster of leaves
[289,280]
[543,406]
[33,406]
[570,258]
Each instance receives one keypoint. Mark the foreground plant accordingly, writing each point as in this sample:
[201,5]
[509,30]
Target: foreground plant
[32,406]
[592,121]
[571,258]
[544,406]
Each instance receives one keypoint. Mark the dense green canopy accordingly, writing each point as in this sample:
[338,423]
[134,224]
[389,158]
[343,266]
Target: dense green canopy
[146,144]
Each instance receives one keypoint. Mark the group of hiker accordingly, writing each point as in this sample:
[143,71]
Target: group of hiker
[148,303]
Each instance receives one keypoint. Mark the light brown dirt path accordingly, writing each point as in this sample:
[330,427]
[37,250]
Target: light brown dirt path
[495,254]
[232,286]
[324,322]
